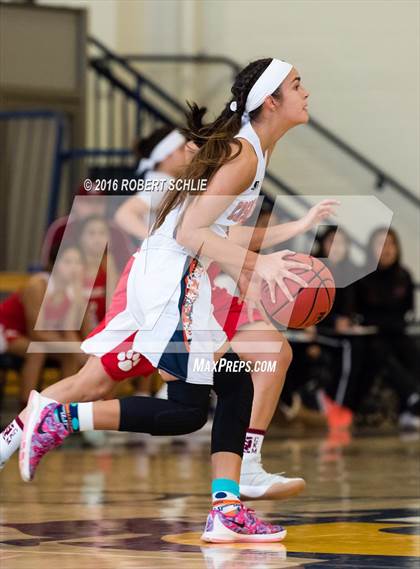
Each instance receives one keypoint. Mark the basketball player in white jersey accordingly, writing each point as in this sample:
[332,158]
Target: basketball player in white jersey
[169,300]
[162,160]
[162,157]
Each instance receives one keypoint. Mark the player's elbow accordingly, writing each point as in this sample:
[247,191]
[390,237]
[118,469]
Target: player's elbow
[185,237]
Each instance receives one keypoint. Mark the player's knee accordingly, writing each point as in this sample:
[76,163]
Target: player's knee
[286,354]
[234,389]
[200,419]
[195,420]
[228,379]
[235,396]
[180,421]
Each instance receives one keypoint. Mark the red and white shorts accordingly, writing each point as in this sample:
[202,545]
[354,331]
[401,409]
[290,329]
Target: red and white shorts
[123,362]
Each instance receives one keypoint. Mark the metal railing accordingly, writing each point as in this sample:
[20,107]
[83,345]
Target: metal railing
[382,177]
[134,88]
[148,96]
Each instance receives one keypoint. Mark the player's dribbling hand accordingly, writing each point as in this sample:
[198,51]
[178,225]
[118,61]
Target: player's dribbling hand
[249,284]
[274,269]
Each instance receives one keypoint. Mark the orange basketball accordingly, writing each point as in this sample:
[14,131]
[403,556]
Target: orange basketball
[310,305]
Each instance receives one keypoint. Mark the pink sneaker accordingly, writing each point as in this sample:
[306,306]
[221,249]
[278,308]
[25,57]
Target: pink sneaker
[42,432]
[244,526]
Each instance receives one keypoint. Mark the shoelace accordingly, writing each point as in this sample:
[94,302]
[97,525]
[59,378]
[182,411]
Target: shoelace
[248,516]
[251,514]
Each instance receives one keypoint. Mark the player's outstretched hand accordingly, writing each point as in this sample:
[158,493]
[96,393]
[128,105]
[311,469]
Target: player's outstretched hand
[318,213]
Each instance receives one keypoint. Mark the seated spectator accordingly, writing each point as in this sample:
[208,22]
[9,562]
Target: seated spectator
[46,309]
[385,299]
[92,204]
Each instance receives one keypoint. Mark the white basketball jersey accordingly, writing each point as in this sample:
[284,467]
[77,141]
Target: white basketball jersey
[244,204]
[241,207]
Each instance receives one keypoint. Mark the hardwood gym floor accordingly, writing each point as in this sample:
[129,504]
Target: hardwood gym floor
[144,507]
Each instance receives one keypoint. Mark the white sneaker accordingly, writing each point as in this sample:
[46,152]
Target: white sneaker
[257,484]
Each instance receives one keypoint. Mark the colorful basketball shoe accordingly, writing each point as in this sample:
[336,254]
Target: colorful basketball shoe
[42,432]
[242,526]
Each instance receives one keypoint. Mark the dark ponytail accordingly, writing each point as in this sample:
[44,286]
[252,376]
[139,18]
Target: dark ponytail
[214,139]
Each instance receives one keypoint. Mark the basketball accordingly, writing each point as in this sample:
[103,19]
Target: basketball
[310,305]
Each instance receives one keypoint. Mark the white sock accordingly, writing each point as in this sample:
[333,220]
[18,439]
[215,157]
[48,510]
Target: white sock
[85,415]
[10,439]
[47,400]
[253,442]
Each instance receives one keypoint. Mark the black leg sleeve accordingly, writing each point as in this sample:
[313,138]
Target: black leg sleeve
[185,410]
[235,392]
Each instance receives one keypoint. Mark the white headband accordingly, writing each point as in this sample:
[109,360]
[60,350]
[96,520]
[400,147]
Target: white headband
[265,85]
[161,151]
